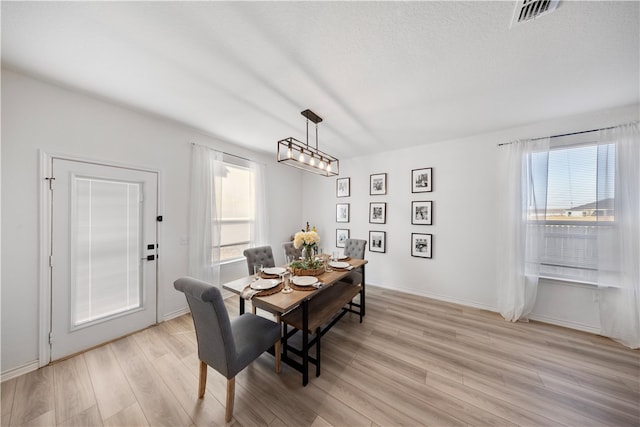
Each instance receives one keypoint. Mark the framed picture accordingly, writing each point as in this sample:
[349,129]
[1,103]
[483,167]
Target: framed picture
[378,241]
[342,234]
[343,187]
[421,245]
[342,212]
[421,180]
[378,184]
[378,213]
[422,213]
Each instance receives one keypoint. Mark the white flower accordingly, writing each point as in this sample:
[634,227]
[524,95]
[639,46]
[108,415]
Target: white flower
[305,238]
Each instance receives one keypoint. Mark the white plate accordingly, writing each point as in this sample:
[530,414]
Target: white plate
[304,280]
[338,264]
[274,270]
[262,284]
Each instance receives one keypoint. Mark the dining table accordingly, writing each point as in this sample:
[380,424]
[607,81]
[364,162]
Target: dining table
[329,288]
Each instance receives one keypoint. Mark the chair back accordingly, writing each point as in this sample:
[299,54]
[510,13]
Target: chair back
[354,248]
[290,250]
[260,255]
[216,346]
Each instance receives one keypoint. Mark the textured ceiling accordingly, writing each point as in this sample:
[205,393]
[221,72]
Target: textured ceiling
[383,75]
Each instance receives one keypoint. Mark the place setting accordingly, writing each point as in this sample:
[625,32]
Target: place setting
[305,283]
[266,281]
[272,272]
[262,287]
[340,265]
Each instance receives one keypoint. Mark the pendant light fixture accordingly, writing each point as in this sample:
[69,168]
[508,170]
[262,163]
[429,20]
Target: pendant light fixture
[302,156]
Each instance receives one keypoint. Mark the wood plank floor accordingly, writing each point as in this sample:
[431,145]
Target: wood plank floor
[414,361]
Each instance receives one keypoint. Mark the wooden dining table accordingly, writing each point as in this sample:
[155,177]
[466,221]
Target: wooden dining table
[283,304]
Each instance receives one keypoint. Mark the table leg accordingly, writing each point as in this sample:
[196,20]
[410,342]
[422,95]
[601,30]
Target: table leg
[305,342]
[362,298]
[318,352]
[277,348]
[241,305]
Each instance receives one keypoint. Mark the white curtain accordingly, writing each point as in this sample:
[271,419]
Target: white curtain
[204,211]
[260,218]
[522,200]
[619,245]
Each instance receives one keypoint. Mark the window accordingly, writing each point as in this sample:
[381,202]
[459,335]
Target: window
[236,200]
[579,194]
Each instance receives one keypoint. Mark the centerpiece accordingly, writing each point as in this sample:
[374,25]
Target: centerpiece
[308,266]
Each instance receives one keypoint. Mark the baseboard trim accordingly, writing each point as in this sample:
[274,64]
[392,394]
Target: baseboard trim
[544,319]
[566,324]
[176,313]
[439,297]
[20,370]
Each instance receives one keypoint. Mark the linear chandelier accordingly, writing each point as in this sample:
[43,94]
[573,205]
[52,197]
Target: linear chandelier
[302,156]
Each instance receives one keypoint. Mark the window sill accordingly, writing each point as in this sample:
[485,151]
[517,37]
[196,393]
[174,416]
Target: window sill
[577,283]
[232,261]
[569,281]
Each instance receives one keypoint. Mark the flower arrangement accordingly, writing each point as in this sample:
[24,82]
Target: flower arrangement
[307,239]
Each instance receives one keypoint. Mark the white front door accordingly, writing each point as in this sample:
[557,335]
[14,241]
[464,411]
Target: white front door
[104,250]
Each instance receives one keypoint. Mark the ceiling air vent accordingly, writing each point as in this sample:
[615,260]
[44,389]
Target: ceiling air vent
[527,10]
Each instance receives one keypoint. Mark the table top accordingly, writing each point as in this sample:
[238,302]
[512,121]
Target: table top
[281,302]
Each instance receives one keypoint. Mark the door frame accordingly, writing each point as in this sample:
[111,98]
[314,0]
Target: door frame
[44,295]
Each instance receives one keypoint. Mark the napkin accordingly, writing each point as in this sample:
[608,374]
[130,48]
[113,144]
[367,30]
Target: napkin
[248,292]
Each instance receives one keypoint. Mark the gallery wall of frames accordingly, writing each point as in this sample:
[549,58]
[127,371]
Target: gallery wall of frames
[421,242]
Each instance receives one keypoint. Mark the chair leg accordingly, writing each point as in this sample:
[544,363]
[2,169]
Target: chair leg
[254,309]
[202,384]
[231,393]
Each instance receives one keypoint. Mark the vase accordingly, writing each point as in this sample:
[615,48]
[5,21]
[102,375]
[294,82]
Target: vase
[308,254]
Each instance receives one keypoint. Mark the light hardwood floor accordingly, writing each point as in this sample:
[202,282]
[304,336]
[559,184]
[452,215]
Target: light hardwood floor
[414,361]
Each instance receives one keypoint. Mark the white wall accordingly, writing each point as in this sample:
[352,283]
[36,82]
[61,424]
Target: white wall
[464,264]
[40,116]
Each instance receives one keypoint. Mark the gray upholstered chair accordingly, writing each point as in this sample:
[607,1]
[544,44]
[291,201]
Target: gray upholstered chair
[228,346]
[260,255]
[290,250]
[354,248]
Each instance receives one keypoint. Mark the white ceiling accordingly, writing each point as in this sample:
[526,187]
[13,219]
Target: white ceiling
[383,75]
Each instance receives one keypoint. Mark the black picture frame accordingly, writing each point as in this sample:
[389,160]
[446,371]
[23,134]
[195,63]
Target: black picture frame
[342,212]
[343,187]
[378,184]
[422,180]
[422,212]
[377,213]
[377,241]
[421,245]
[342,234]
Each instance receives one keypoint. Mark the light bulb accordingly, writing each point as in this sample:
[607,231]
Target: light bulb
[321,165]
[312,161]
[328,166]
[289,152]
[301,158]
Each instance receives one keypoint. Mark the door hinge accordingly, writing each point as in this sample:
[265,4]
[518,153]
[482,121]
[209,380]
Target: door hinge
[50,260]
[50,337]
[50,179]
